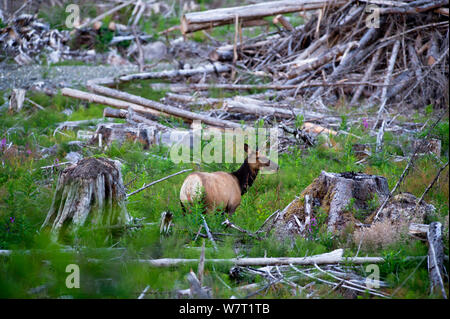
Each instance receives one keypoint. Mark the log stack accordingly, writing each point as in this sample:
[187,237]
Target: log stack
[401,47]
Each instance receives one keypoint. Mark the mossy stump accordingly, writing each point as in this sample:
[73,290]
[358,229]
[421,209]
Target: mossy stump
[89,192]
[338,195]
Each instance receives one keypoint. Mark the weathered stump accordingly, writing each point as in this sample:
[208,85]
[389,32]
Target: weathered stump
[92,192]
[338,195]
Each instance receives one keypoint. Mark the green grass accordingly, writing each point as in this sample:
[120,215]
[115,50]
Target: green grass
[26,192]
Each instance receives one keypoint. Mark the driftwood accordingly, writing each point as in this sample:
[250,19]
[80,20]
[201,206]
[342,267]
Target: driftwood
[436,259]
[195,21]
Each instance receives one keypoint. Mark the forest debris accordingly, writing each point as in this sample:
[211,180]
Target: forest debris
[201,20]
[436,258]
[25,37]
[338,195]
[413,156]
[208,232]
[283,21]
[430,145]
[157,181]
[418,230]
[93,98]
[105,14]
[170,74]
[92,181]
[402,208]
[73,157]
[144,292]
[16,100]
[196,289]
[150,51]
[419,202]
[333,257]
[147,104]
[165,222]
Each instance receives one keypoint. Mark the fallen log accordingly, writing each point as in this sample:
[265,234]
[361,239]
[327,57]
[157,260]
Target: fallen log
[132,117]
[215,68]
[334,257]
[167,109]
[195,21]
[93,98]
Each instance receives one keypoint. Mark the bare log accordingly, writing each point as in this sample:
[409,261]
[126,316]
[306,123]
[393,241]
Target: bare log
[195,21]
[93,98]
[387,80]
[312,64]
[167,109]
[334,257]
[215,68]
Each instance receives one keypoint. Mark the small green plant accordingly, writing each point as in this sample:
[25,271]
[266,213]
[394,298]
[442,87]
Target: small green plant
[299,121]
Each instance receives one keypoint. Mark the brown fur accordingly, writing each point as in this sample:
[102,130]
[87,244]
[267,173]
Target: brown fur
[223,189]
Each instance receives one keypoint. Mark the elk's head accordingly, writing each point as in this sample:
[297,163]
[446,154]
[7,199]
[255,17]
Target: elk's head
[257,161]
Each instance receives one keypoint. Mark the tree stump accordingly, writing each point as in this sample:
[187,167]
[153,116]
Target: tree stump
[90,191]
[338,195]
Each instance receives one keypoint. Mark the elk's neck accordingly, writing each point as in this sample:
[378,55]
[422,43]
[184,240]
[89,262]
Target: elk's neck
[246,176]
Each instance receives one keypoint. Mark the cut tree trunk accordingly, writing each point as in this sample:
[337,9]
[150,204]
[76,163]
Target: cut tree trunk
[338,195]
[90,192]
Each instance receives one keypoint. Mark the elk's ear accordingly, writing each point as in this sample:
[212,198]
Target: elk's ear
[246,148]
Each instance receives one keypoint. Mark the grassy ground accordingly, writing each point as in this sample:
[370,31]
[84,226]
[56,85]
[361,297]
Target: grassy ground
[26,194]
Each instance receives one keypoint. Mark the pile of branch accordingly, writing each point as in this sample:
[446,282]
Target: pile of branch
[405,56]
[25,37]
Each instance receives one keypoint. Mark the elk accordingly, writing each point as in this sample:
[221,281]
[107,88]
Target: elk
[222,189]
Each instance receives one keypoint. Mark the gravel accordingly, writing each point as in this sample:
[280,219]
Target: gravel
[14,76]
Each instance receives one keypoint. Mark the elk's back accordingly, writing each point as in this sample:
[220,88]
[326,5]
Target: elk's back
[220,188]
